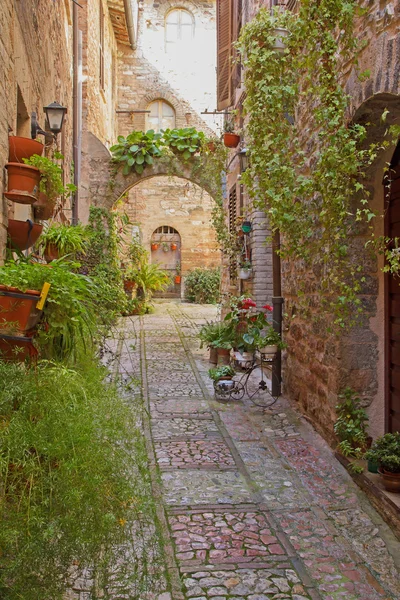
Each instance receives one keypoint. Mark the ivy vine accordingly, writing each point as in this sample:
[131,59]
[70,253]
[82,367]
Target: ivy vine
[307,160]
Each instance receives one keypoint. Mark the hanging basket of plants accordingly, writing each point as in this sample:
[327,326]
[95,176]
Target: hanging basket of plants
[231,140]
[22,234]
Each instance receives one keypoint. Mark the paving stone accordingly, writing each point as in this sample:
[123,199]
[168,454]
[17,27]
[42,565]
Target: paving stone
[193,453]
[180,427]
[225,537]
[204,487]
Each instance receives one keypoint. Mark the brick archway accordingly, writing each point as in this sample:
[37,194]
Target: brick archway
[107,186]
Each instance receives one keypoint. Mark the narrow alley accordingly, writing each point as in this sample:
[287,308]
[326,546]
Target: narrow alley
[256,504]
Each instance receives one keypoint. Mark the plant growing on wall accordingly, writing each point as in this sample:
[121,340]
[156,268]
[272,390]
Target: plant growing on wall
[137,150]
[306,185]
[203,286]
[51,176]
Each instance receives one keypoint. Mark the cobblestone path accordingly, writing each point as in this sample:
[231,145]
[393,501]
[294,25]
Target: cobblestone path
[256,505]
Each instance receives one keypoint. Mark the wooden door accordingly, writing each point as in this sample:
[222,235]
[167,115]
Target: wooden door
[392,189]
[166,251]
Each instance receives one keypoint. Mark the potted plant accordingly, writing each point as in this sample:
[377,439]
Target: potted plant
[385,450]
[221,372]
[51,183]
[165,246]
[137,150]
[61,240]
[22,147]
[22,183]
[231,139]
[184,142]
[269,342]
[18,312]
[178,273]
[154,246]
[223,342]
[208,334]
[174,246]
[245,270]
[22,234]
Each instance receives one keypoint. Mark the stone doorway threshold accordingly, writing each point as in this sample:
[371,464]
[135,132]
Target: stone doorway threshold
[386,503]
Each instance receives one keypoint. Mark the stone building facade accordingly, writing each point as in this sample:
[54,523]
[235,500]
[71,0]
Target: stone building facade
[317,364]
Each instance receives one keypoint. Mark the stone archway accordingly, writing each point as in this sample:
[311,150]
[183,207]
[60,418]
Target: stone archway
[107,185]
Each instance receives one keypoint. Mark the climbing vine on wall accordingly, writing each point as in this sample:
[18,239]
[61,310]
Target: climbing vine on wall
[306,159]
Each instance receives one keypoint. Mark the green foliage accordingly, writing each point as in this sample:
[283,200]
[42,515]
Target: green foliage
[386,452]
[137,254]
[203,286]
[187,141]
[101,261]
[223,336]
[137,150]
[351,425]
[74,477]
[51,176]
[149,278]
[307,191]
[70,310]
[221,372]
[209,333]
[68,239]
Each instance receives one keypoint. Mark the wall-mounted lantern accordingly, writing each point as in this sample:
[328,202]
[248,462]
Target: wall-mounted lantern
[55,114]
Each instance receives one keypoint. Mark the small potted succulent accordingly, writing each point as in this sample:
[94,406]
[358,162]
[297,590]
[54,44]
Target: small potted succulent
[385,450]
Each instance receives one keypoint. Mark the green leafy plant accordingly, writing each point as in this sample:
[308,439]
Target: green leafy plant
[386,452]
[187,141]
[224,336]
[351,428]
[73,467]
[203,286]
[137,150]
[68,239]
[165,246]
[178,268]
[311,206]
[150,278]
[221,372]
[51,176]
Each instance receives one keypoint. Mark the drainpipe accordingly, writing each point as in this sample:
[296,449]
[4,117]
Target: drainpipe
[277,306]
[75,112]
[130,23]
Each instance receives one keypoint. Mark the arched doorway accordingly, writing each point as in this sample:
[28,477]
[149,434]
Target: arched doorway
[166,251]
[392,299]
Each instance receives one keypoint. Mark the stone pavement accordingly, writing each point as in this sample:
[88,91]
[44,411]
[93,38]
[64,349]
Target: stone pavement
[256,505]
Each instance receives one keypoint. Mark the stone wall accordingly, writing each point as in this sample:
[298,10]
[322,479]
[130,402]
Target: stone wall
[35,70]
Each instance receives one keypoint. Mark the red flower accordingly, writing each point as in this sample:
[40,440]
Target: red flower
[267,307]
[248,303]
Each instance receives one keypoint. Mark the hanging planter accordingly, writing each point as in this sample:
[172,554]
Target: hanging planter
[174,246]
[177,279]
[18,312]
[22,147]
[22,234]
[14,349]
[231,140]
[165,247]
[23,183]
[281,34]
[245,273]
[154,246]
[43,208]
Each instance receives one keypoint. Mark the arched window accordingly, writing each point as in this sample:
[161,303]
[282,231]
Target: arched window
[161,116]
[179,28]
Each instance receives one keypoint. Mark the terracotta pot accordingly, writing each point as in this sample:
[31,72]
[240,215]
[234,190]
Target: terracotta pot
[231,140]
[223,356]
[23,234]
[391,481]
[22,147]
[177,279]
[213,356]
[174,246]
[44,209]
[17,349]
[18,312]
[154,247]
[23,183]
[211,146]
[51,253]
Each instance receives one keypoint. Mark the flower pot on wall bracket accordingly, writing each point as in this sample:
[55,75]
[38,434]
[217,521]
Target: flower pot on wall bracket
[154,247]
[43,208]
[177,279]
[14,349]
[231,140]
[22,234]
[23,183]
[22,147]
[174,246]
[18,312]
[245,273]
